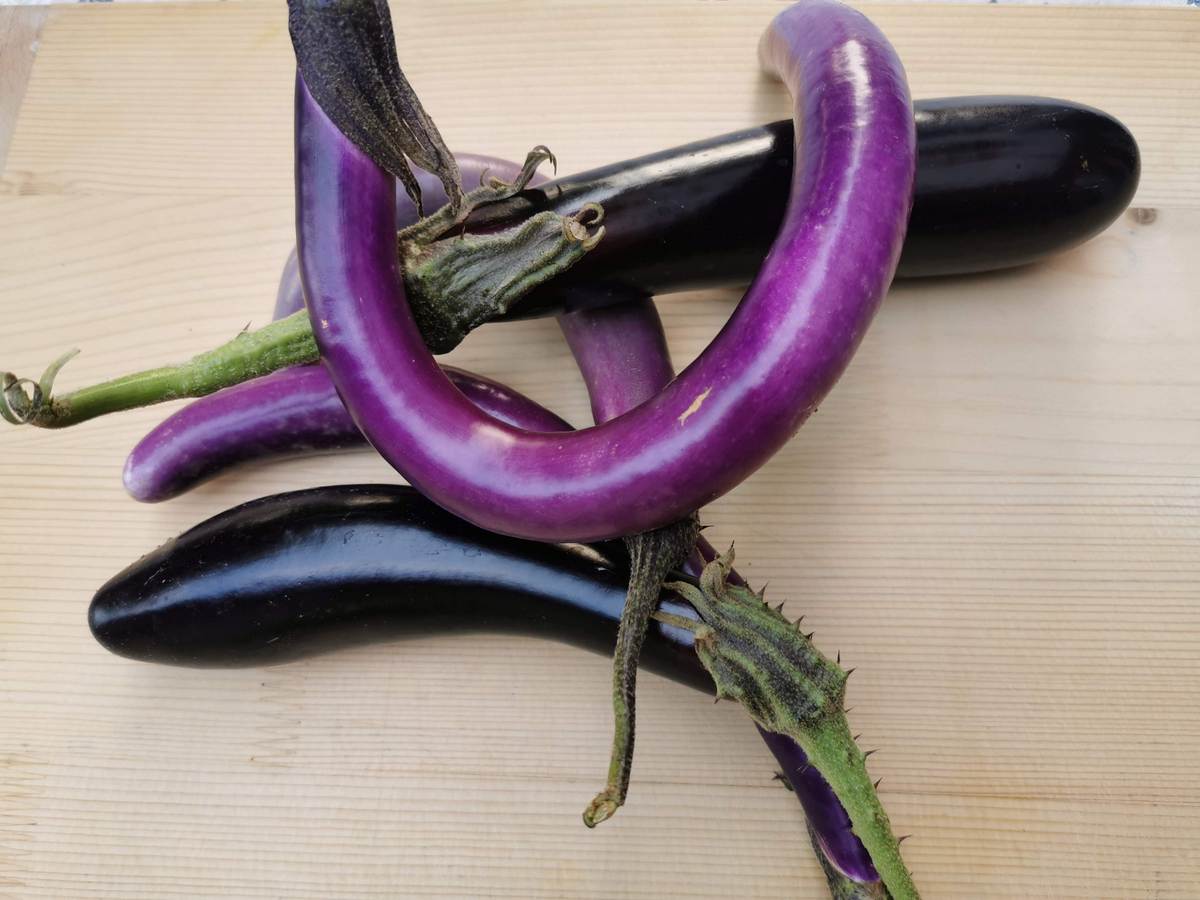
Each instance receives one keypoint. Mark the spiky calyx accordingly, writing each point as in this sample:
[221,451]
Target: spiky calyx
[763,661]
[759,658]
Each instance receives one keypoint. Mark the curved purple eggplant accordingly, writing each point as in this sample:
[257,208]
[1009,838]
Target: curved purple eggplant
[782,350]
[287,413]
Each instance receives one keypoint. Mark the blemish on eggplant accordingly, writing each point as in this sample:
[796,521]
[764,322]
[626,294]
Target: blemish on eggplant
[696,404]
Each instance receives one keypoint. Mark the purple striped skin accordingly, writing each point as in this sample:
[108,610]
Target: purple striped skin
[291,412]
[622,354]
[789,340]
[472,166]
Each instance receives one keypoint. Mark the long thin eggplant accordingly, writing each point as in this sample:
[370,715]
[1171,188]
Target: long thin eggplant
[1002,181]
[311,571]
[299,574]
[291,412]
[782,350]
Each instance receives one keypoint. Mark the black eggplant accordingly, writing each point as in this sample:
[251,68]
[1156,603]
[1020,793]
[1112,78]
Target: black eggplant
[1001,182]
[302,573]
[297,574]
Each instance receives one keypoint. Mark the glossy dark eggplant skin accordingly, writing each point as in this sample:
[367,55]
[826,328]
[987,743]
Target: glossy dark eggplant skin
[303,573]
[1001,182]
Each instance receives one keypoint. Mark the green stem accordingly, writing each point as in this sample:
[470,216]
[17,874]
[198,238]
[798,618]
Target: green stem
[288,342]
[652,556]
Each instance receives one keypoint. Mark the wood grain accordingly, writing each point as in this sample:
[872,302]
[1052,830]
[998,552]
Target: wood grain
[996,515]
[19,29]
[626,77]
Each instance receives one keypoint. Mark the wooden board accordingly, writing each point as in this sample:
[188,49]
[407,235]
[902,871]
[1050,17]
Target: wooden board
[995,516]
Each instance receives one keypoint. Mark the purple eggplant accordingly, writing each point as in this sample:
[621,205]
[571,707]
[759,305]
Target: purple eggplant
[782,350]
[287,413]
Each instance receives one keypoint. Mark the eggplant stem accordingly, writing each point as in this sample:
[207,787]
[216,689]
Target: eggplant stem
[652,556]
[441,223]
[347,55]
[20,408]
[287,342]
[453,287]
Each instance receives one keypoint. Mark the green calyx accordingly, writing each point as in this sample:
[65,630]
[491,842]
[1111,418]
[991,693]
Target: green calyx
[455,285]
[763,661]
[456,282]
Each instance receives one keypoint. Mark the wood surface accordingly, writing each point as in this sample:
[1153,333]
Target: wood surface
[19,29]
[995,516]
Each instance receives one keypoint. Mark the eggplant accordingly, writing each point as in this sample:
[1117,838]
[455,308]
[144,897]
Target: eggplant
[308,572]
[298,574]
[1002,181]
[792,335]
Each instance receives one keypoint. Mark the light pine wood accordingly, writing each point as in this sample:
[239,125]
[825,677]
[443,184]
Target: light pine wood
[995,516]
[19,29]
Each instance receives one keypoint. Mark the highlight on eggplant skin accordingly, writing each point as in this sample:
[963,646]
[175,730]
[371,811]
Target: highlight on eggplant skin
[307,572]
